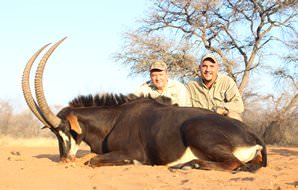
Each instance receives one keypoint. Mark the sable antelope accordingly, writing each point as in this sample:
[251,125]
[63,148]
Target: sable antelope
[123,129]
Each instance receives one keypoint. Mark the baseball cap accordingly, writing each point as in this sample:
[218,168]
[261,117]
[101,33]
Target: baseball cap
[158,65]
[209,56]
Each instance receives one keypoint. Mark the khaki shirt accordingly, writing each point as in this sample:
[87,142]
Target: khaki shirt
[174,90]
[223,93]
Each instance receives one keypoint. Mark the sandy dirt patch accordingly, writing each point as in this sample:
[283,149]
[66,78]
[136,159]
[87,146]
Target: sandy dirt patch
[36,168]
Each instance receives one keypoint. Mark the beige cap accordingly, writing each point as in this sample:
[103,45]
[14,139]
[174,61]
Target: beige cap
[158,65]
[210,56]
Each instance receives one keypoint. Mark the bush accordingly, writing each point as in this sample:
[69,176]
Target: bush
[282,132]
[23,124]
[271,129]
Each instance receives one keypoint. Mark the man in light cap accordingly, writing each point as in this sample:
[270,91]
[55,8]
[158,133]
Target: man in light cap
[215,91]
[161,85]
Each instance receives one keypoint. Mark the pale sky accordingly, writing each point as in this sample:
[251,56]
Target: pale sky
[83,63]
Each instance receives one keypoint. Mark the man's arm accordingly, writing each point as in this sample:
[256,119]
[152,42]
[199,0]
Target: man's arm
[143,90]
[233,99]
[183,96]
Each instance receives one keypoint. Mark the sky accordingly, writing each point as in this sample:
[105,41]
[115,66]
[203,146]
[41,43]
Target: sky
[83,64]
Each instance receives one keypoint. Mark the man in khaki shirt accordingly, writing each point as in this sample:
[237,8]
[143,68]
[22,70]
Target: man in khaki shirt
[161,85]
[215,91]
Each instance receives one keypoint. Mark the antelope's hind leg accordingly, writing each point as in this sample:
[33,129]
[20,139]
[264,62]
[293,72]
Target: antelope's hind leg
[215,157]
[228,165]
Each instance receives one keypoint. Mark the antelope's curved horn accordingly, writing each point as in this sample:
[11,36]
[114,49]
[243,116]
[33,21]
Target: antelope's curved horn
[45,109]
[26,87]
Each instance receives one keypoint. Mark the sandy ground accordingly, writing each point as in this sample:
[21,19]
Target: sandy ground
[25,167]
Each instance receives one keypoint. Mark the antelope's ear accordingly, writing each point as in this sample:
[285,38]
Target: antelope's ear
[74,124]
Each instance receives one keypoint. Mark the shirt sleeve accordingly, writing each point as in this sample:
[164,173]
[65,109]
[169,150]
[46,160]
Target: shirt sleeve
[233,98]
[190,88]
[139,92]
[183,96]
[142,90]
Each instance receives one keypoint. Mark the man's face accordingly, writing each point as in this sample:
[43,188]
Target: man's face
[209,70]
[159,79]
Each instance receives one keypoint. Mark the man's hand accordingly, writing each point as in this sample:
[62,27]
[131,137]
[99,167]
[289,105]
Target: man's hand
[221,110]
[224,111]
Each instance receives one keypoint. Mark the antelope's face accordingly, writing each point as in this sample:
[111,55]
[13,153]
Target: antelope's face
[68,146]
[69,135]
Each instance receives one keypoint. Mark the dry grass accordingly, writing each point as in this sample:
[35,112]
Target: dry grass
[7,141]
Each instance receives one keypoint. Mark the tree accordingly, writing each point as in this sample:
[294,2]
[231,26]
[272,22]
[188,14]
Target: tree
[6,112]
[140,52]
[242,33]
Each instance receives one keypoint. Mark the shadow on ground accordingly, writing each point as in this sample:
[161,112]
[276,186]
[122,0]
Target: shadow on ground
[56,158]
[284,152]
